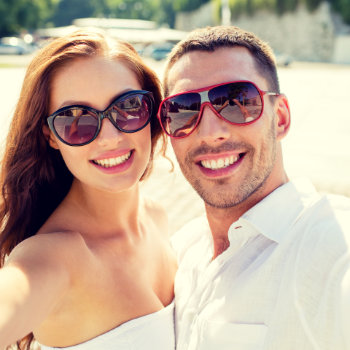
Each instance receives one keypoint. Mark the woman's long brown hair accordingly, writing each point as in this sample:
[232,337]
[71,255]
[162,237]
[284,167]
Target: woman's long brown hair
[34,178]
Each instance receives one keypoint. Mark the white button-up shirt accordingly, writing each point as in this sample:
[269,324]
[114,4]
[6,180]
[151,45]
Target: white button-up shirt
[279,286]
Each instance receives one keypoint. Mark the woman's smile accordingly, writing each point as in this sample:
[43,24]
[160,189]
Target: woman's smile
[111,162]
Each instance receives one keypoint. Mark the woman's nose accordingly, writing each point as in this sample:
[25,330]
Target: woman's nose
[108,133]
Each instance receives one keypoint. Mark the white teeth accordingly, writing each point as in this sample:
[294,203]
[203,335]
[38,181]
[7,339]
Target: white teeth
[109,162]
[219,163]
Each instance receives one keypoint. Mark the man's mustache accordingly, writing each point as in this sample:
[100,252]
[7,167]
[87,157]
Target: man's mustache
[224,147]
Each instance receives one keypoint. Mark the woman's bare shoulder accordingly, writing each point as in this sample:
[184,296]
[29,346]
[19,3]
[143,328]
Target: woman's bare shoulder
[49,249]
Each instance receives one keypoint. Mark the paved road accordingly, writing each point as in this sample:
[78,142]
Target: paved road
[318,144]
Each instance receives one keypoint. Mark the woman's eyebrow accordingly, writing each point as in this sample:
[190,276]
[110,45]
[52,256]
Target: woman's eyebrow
[88,104]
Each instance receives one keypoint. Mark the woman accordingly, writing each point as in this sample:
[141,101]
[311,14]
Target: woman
[86,262]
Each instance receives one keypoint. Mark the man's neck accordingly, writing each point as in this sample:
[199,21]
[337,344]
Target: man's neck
[220,221]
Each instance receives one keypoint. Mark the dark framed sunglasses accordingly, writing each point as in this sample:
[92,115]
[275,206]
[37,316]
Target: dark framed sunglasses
[236,102]
[78,125]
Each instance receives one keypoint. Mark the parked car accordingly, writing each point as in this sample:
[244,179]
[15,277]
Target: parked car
[283,60]
[14,46]
[158,51]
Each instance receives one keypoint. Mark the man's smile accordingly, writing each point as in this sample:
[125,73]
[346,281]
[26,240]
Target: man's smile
[220,163]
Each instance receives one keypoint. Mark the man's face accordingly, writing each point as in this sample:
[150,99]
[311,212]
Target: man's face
[227,164]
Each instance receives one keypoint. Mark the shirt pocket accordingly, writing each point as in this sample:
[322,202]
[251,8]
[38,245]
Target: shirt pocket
[232,336]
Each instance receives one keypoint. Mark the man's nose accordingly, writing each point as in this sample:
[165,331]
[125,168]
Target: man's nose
[211,127]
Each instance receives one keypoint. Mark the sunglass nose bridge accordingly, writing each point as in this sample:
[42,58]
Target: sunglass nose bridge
[108,113]
[204,102]
[204,96]
[208,105]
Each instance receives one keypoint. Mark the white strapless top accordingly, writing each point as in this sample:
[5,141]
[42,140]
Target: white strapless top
[150,332]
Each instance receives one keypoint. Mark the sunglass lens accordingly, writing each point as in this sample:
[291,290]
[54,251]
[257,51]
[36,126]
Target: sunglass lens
[76,126]
[180,113]
[133,112]
[237,102]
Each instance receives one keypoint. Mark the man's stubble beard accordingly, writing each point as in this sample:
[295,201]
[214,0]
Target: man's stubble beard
[253,182]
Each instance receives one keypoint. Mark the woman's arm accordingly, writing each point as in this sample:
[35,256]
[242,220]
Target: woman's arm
[32,283]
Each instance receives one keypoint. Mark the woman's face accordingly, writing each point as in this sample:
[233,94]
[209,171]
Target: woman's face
[115,160]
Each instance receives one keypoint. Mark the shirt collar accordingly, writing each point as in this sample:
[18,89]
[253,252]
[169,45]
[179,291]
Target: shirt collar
[274,215]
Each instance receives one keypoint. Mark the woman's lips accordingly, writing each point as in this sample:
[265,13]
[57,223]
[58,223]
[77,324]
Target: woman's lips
[114,161]
[114,164]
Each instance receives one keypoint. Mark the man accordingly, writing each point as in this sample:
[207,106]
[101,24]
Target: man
[269,268]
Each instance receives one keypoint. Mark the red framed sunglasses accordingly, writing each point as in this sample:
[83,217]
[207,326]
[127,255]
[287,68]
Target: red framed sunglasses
[236,102]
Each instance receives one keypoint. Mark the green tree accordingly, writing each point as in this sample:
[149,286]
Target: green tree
[8,14]
[283,6]
[18,15]
[313,4]
[342,7]
[67,10]
[188,5]
[135,9]
[239,7]
[164,12]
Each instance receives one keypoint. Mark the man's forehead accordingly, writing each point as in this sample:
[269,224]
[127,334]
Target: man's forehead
[197,69]
[180,72]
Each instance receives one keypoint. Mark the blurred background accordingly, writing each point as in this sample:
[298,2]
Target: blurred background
[312,30]
[310,38]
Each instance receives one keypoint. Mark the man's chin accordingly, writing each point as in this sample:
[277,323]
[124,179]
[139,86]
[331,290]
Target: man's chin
[219,199]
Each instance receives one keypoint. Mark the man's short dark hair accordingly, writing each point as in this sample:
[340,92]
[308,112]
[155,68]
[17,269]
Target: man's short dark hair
[211,38]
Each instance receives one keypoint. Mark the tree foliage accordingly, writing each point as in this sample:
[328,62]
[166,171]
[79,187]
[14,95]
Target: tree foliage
[158,10]
[186,5]
[67,10]
[18,15]
[250,6]
[312,4]
[239,7]
[165,13]
[342,7]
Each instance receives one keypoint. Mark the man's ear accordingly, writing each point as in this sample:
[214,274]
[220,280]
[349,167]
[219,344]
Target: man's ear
[49,137]
[282,113]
